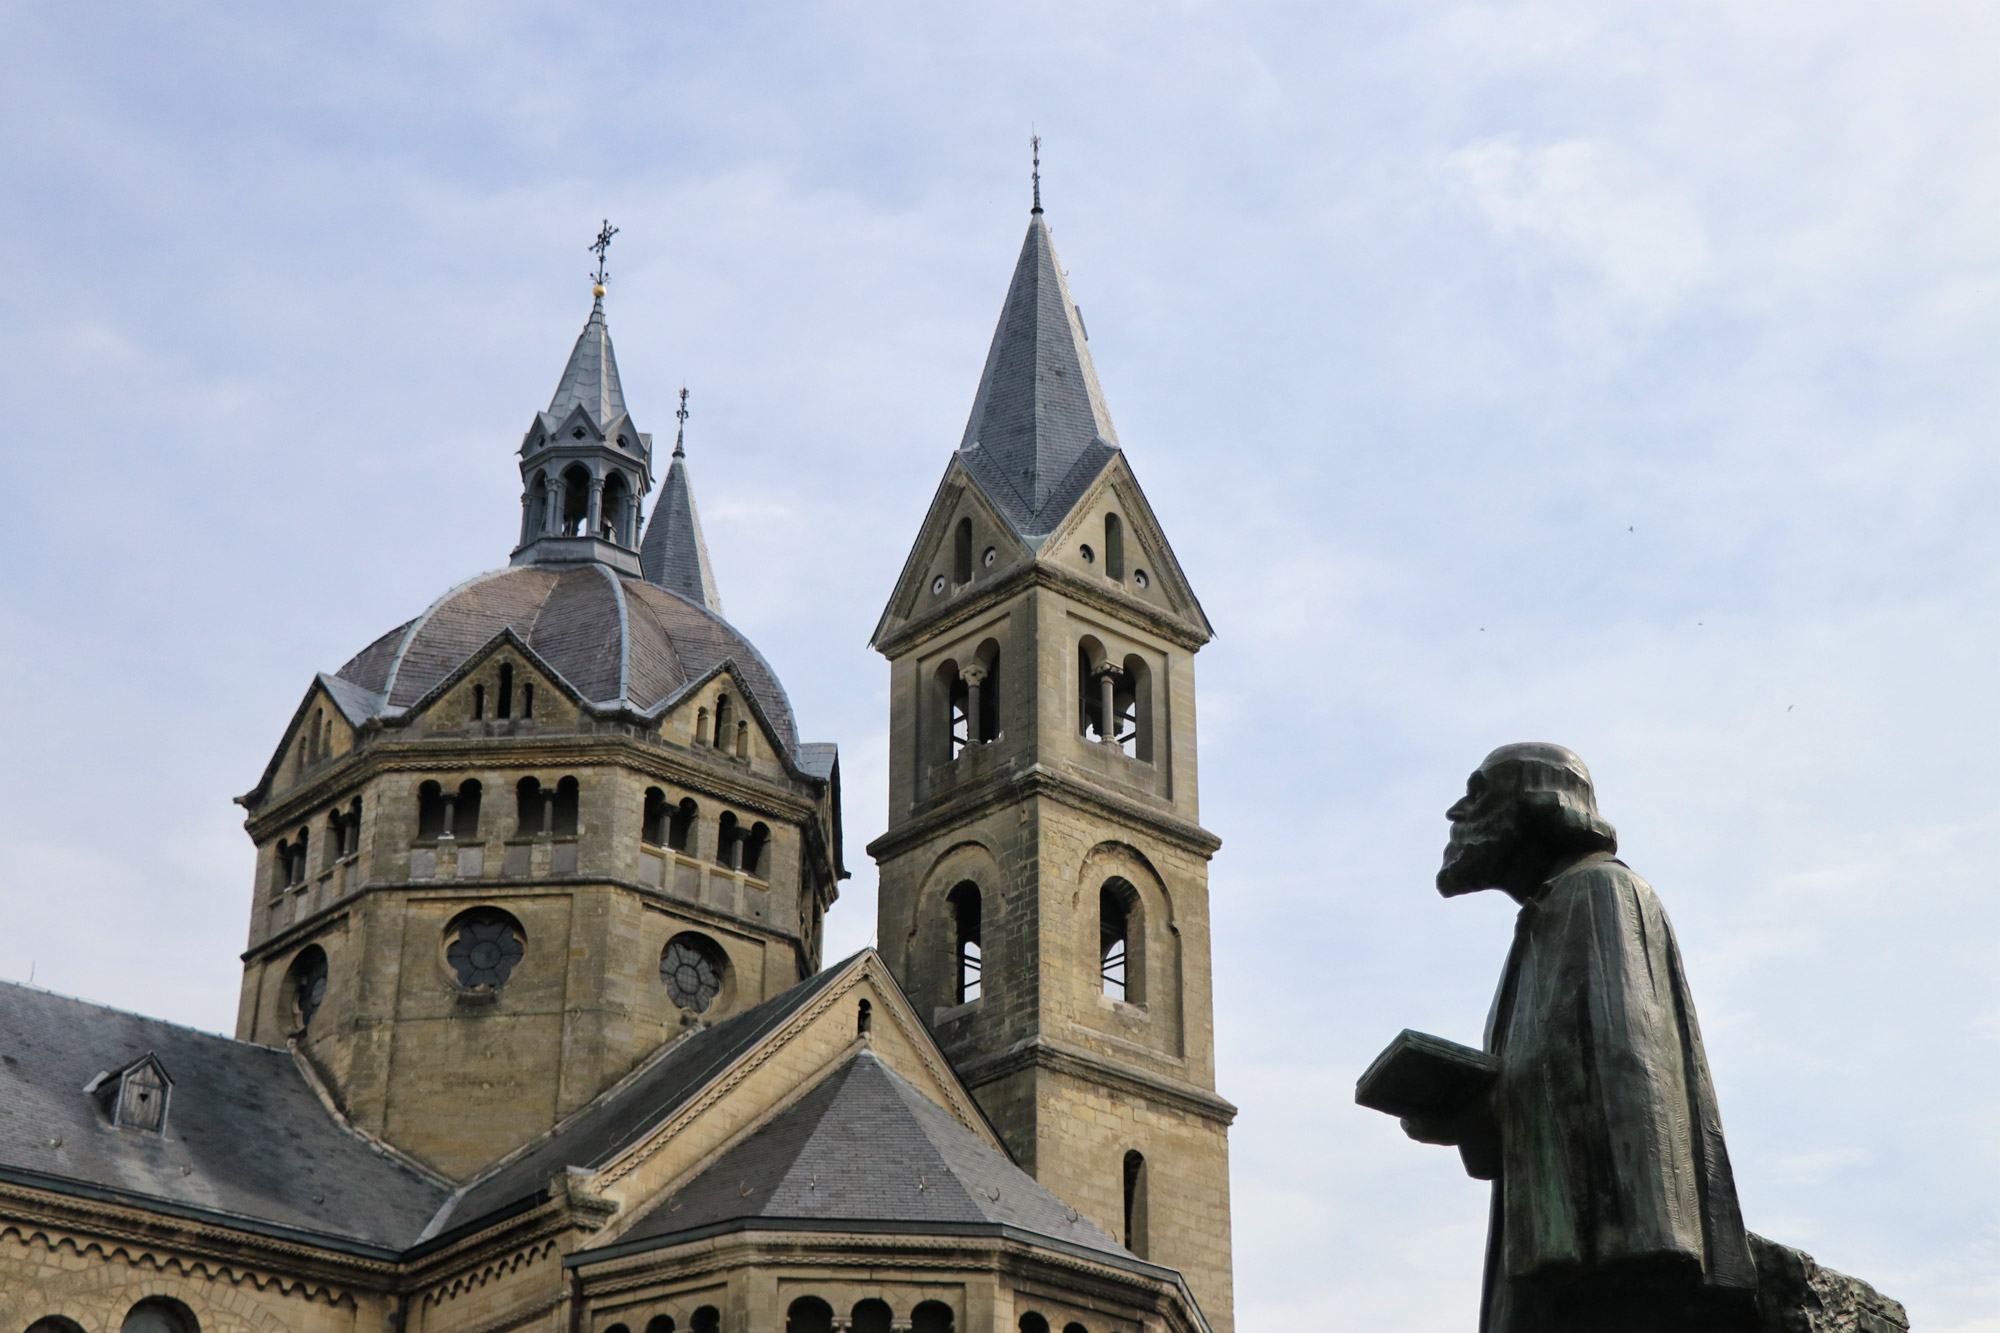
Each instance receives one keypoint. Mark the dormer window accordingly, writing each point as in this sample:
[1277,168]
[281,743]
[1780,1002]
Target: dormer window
[136,1097]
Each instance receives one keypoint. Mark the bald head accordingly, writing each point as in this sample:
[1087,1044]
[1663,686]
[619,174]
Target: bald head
[1528,810]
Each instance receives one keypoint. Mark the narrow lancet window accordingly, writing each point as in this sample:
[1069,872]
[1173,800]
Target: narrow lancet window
[964,901]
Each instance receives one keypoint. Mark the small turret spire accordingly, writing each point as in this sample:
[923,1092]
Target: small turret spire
[680,431]
[1035,146]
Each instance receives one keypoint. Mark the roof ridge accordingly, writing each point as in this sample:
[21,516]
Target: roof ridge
[134,1013]
[624,634]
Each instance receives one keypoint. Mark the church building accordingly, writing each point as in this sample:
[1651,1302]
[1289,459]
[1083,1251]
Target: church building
[534,1029]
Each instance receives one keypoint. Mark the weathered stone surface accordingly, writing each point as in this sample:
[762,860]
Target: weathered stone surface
[1796,1295]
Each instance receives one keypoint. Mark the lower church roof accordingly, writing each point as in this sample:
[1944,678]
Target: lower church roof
[866,1147]
[245,1140]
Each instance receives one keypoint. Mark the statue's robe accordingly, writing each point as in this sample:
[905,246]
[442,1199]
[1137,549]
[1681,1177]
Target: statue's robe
[1612,1165]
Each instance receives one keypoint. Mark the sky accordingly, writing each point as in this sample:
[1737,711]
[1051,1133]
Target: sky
[1613,374]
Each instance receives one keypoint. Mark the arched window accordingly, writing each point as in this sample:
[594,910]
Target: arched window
[299,862]
[537,520]
[1134,700]
[755,844]
[961,552]
[660,1323]
[809,1314]
[723,717]
[1074,1328]
[729,841]
[742,739]
[305,983]
[465,810]
[430,811]
[964,903]
[1090,696]
[931,1317]
[504,707]
[55,1323]
[871,1316]
[950,696]
[531,810]
[576,500]
[864,1015]
[483,946]
[618,1328]
[1114,941]
[333,842]
[611,509]
[1114,547]
[1034,1323]
[1135,1202]
[160,1314]
[695,970]
[680,825]
[653,818]
[566,808]
[701,726]
[708,1319]
[351,843]
[478,703]
[528,701]
[281,866]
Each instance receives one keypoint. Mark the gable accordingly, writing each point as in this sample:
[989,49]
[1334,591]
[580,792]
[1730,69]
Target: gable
[321,730]
[963,544]
[773,1074]
[720,712]
[503,684]
[1112,538]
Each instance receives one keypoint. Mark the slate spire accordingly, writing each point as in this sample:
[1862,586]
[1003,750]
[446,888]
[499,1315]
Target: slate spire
[673,555]
[590,380]
[1039,432]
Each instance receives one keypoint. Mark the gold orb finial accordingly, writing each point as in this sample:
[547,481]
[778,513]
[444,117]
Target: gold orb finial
[597,290]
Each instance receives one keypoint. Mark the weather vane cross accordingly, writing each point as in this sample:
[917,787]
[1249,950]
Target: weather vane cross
[1035,146]
[599,246]
[680,431]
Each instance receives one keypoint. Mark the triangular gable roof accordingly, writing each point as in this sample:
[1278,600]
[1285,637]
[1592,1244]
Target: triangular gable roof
[1144,525]
[616,1132]
[956,483]
[865,1145]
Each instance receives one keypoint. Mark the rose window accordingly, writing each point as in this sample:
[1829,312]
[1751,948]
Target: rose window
[692,977]
[485,951]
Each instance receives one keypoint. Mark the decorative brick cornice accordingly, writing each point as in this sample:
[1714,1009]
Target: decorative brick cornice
[1042,1053]
[1004,789]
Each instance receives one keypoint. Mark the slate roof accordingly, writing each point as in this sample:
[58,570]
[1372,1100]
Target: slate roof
[616,640]
[632,1109]
[590,380]
[865,1146]
[1039,432]
[246,1137]
[673,553]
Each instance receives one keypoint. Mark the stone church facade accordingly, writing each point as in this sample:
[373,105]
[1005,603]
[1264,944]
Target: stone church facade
[534,1029]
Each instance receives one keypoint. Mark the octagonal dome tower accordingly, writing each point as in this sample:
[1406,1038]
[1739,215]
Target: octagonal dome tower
[558,817]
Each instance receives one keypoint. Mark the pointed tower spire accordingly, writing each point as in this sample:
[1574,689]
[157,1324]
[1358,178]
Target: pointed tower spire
[674,555]
[1039,431]
[590,380]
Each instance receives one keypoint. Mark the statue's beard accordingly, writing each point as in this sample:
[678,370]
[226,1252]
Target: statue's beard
[1478,856]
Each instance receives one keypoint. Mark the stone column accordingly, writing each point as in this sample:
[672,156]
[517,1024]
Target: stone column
[593,520]
[548,812]
[1107,684]
[450,816]
[552,520]
[974,676]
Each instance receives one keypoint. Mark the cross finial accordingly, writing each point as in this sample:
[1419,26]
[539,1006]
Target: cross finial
[598,247]
[680,431]
[1035,146]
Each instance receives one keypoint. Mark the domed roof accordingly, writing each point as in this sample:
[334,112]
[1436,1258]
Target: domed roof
[618,641]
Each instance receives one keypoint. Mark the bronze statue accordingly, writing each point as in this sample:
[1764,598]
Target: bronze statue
[1590,1108]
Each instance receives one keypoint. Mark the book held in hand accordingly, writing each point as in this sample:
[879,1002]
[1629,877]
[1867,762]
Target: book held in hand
[1426,1077]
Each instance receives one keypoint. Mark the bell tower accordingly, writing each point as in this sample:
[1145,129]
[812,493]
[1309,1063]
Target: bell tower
[1044,876]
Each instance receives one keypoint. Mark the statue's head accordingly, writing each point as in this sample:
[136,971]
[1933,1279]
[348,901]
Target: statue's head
[1527,811]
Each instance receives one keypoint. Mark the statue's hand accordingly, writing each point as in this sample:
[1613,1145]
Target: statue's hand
[1428,1129]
